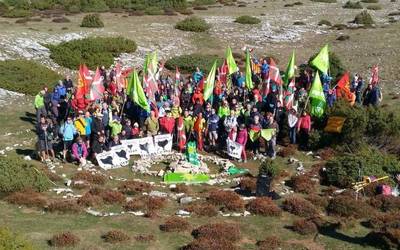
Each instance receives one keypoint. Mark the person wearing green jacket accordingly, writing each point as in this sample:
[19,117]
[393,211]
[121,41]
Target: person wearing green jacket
[224,110]
[151,124]
[115,126]
[188,122]
[39,105]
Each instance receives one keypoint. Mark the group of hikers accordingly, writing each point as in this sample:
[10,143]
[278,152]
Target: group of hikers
[79,126]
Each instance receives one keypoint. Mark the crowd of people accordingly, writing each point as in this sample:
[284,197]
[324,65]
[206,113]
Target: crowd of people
[78,129]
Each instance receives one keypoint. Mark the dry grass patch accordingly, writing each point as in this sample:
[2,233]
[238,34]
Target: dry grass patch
[134,187]
[228,200]
[64,206]
[248,184]
[145,237]
[202,209]
[230,232]
[66,239]
[303,184]
[175,224]
[264,206]
[115,236]
[27,198]
[299,206]
[270,242]
[93,178]
[304,227]
[90,200]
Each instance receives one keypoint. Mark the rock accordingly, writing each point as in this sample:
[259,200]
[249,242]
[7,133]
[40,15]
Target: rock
[27,158]
[93,212]
[68,183]
[161,173]
[158,194]
[182,213]
[172,186]
[236,214]
[185,200]
[246,213]
[137,213]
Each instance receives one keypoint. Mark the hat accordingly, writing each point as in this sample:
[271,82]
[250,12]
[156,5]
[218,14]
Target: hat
[136,125]
[80,112]
[99,115]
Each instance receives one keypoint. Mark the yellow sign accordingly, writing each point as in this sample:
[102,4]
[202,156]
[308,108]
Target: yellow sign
[335,124]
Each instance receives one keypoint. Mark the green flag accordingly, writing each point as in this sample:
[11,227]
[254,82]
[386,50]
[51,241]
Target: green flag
[321,61]
[146,63]
[290,69]
[209,84]
[317,97]
[154,62]
[268,133]
[136,92]
[249,82]
[230,61]
[254,135]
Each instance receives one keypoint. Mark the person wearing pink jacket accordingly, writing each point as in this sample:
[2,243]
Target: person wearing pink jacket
[79,151]
[241,138]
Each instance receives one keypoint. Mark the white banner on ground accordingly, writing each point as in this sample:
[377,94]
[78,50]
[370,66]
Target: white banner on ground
[121,151]
[163,143]
[146,146]
[108,160]
[132,145]
[234,149]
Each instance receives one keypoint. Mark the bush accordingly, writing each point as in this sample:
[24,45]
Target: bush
[111,197]
[93,51]
[385,220]
[93,178]
[145,238]
[303,184]
[3,8]
[352,5]
[66,239]
[10,240]
[270,242]
[16,175]
[374,7]
[202,244]
[26,77]
[248,184]
[115,236]
[188,63]
[92,21]
[336,66]
[27,198]
[364,18]
[93,6]
[186,12]
[230,232]
[304,227]
[227,199]
[319,201]
[346,206]
[17,13]
[324,1]
[324,22]
[61,20]
[175,224]
[64,206]
[194,24]
[263,206]
[385,203]
[299,23]
[134,187]
[181,188]
[300,207]
[370,1]
[89,200]
[202,209]
[153,11]
[287,151]
[247,20]
[147,203]
[203,2]
[270,168]
[326,153]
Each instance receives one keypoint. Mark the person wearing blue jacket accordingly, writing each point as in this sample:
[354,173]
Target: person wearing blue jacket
[264,70]
[197,76]
[68,131]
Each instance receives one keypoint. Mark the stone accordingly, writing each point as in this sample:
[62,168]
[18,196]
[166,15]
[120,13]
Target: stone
[246,213]
[27,158]
[183,213]
[161,173]
[185,200]
[158,194]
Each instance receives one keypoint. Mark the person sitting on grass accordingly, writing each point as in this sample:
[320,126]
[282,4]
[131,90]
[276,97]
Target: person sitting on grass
[79,151]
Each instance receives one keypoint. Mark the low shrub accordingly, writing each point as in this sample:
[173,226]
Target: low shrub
[194,24]
[136,204]
[88,176]
[89,200]
[26,77]
[227,199]
[134,187]
[10,240]
[248,184]
[66,239]
[303,184]
[270,168]
[370,1]
[270,242]
[299,206]
[299,23]
[187,63]
[52,176]
[288,5]
[64,206]
[287,151]
[16,175]
[385,220]
[175,224]
[153,11]
[186,12]
[92,21]
[263,206]
[145,237]
[324,1]
[145,203]
[324,22]
[247,20]
[385,203]
[202,209]
[27,198]
[326,153]
[115,236]
[317,200]
[339,26]
[304,227]
[202,244]
[200,8]
[3,8]
[394,13]
[346,206]
[112,197]
[374,7]
[17,13]
[298,3]
[364,18]
[230,232]
[181,188]
[343,38]
[203,2]
[352,5]
[61,20]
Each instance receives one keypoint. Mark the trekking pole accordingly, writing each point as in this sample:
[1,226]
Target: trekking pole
[123,106]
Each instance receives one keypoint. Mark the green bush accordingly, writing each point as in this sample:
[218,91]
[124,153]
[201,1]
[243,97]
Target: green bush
[42,4]
[94,6]
[92,21]
[16,175]
[269,167]
[194,24]
[370,1]
[12,241]
[324,22]
[374,7]
[203,2]
[324,1]
[118,4]
[247,20]
[3,8]
[352,5]
[336,66]
[17,13]
[93,51]
[364,18]
[153,11]
[25,76]
[188,63]
[19,4]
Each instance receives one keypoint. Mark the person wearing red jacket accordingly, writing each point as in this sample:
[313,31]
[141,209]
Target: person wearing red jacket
[167,123]
[198,96]
[112,88]
[242,140]
[304,129]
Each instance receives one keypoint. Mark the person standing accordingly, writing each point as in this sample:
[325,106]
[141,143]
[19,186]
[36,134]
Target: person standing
[242,140]
[151,124]
[198,128]
[39,105]
[212,127]
[68,131]
[304,129]
[292,122]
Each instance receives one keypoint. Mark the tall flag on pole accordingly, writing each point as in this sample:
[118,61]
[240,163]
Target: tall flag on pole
[289,95]
[248,81]
[230,61]
[290,68]
[209,84]
[136,92]
[97,87]
[321,61]
[318,102]
[374,75]
[273,73]
[84,80]
[343,88]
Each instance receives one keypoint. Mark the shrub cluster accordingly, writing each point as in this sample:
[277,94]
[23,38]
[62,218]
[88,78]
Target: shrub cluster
[175,224]
[92,21]
[385,203]
[134,187]
[303,184]
[10,240]
[387,231]
[228,200]
[181,188]
[15,175]
[324,22]
[374,7]
[194,24]
[145,237]
[248,184]
[93,51]
[346,206]
[64,206]
[317,200]
[299,206]
[89,200]
[270,242]
[287,151]
[66,239]
[202,209]
[247,20]
[270,168]
[264,206]
[364,18]
[25,76]
[145,203]
[203,2]
[115,236]
[27,198]
[188,63]
[304,227]
[90,177]
[201,244]
[352,5]
[217,231]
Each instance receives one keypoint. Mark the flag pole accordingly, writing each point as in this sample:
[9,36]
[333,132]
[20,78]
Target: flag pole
[123,105]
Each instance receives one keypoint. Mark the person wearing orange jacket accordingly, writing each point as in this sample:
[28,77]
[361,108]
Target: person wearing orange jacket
[198,128]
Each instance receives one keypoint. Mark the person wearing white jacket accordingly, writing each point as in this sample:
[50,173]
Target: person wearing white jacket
[292,120]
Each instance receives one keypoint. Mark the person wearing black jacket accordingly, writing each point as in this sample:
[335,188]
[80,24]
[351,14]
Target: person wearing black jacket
[69,85]
[98,146]
[45,137]
[97,127]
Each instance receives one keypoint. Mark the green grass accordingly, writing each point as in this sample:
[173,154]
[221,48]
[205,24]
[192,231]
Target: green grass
[193,24]
[247,20]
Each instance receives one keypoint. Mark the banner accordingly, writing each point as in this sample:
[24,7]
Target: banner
[108,160]
[132,146]
[185,178]
[146,146]
[121,152]
[163,143]
[335,124]
[268,133]
[234,149]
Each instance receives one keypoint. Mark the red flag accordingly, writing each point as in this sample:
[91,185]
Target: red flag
[344,82]
[84,80]
[97,87]
[181,134]
[273,73]
[343,88]
[289,96]
[177,76]
[374,75]
[119,78]
[222,73]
